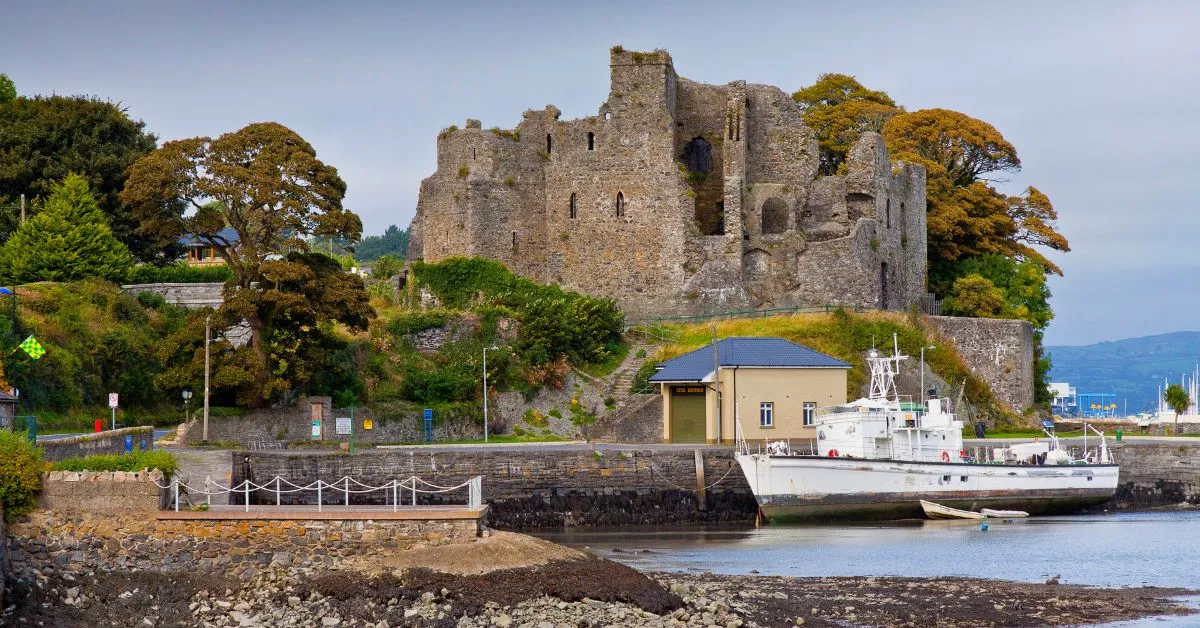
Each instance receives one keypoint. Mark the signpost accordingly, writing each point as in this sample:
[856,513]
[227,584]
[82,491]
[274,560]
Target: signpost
[112,404]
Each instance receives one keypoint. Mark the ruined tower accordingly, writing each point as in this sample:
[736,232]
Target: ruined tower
[679,198]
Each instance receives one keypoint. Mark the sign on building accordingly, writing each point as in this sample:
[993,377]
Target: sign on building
[342,426]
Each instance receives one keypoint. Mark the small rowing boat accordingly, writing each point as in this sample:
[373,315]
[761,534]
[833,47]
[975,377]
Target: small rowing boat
[1004,514]
[938,511]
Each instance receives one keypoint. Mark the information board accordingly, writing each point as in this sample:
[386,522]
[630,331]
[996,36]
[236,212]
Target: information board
[342,425]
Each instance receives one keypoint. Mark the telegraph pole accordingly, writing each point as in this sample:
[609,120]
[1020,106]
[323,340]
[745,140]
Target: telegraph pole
[204,435]
[22,209]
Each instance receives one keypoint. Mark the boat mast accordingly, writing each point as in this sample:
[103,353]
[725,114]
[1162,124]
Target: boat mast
[884,371]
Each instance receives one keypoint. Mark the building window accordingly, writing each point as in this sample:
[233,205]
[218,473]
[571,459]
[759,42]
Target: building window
[620,204]
[514,236]
[549,143]
[810,410]
[472,154]
[591,141]
[887,212]
[766,414]
[574,206]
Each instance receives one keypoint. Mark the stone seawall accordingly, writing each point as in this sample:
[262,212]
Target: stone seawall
[51,540]
[115,492]
[999,351]
[1157,474]
[109,442]
[528,487]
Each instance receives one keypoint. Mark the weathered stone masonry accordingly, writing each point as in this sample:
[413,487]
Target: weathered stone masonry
[999,351]
[679,197]
[538,488]
[107,442]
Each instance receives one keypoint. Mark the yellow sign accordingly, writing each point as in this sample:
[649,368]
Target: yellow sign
[368,424]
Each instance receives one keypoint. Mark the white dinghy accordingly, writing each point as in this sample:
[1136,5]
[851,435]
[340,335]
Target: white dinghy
[938,511]
[1004,514]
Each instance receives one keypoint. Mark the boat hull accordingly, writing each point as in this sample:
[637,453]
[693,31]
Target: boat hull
[799,488]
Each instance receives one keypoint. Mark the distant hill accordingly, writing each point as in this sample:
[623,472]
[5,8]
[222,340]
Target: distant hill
[1132,368]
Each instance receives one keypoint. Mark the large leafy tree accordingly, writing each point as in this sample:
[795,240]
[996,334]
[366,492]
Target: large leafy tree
[839,110]
[394,242]
[68,240]
[267,184]
[45,138]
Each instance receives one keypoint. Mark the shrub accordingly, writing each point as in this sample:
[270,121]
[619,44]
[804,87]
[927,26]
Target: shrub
[20,474]
[152,459]
[556,413]
[179,272]
[414,321]
[610,402]
[463,171]
[534,418]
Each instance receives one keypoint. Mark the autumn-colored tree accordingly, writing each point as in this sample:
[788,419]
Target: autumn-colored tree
[266,183]
[839,110]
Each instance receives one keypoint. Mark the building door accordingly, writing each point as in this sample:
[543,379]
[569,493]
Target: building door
[688,414]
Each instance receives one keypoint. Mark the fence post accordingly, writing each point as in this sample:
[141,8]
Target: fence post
[176,485]
[277,490]
[246,484]
[318,494]
[395,496]
[346,482]
[414,490]
[208,491]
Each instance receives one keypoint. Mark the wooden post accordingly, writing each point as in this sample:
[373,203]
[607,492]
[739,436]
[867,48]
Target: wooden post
[700,497]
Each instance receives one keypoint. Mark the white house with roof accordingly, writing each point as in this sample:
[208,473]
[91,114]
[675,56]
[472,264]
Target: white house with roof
[770,386]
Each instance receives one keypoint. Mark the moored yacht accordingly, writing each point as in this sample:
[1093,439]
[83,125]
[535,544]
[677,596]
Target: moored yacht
[879,456]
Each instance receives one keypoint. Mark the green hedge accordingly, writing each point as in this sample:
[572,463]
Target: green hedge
[153,459]
[20,474]
[179,272]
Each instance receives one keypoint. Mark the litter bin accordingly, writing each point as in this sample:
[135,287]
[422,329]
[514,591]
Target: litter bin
[1120,433]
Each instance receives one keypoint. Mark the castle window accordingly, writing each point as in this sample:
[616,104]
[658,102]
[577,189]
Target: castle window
[903,218]
[472,154]
[549,143]
[887,214]
[774,216]
[620,204]
[591,141]
[574,206]
[514,236]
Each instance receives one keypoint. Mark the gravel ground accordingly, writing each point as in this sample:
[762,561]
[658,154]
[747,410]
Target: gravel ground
[575,591]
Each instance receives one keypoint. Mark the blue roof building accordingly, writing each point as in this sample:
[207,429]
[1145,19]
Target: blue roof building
[759,389]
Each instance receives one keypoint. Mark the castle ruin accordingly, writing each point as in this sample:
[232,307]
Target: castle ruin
[679,198]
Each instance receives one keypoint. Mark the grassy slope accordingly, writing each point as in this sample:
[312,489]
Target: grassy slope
[848,337]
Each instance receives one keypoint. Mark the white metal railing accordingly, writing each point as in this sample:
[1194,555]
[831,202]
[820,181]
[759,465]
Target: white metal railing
[409,487]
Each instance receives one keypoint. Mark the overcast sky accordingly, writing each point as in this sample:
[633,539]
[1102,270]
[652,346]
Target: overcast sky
[1101,99]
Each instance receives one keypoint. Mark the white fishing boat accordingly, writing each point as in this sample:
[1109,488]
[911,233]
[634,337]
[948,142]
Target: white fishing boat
[938,511]
[878,457]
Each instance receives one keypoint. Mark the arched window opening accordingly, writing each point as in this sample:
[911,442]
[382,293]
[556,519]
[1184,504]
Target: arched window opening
[620,204]
[574,206]
[591,141]
[774,216]
[549,143]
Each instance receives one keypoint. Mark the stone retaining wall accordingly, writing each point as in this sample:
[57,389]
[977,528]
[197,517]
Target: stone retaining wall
[108,442]
[52,540]
[189,295]
[1157,474]
[533,487]
[112,492]
[999,351]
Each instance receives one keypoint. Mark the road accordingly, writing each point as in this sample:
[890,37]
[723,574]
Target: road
[49,437]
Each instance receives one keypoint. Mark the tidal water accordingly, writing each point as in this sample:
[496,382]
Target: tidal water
[1112,550]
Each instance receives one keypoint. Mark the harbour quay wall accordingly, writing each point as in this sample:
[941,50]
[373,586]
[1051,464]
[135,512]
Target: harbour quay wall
[1155,474]
[49,540]
[107,442]
[531,487]
[105,492]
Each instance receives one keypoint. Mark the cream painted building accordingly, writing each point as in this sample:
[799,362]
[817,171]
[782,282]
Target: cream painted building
[771,387]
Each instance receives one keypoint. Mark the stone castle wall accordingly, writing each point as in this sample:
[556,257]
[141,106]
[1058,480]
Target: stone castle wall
[679,198]
[107,442]
[1000,351]
[542,487]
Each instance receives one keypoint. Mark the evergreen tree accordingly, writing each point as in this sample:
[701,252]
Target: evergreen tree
[67,241]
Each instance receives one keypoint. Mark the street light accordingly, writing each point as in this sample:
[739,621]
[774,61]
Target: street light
[187,397]
[931,348]
[485,416]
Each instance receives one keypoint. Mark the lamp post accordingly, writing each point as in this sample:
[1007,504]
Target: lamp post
[207,324]
[485,395]
[931,348]
[187,397]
